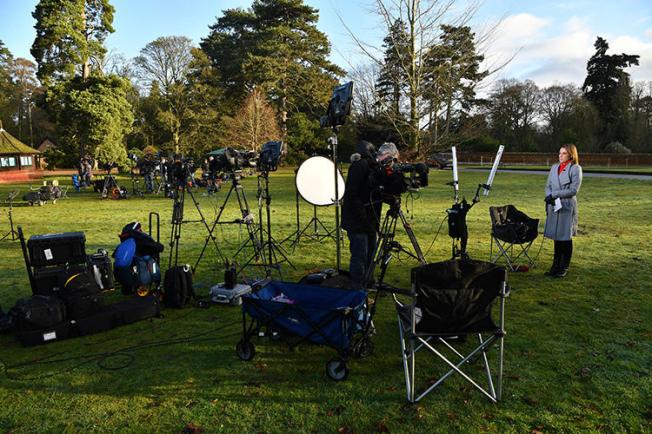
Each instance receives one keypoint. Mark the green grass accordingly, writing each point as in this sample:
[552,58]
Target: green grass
[601,169]
[578,350]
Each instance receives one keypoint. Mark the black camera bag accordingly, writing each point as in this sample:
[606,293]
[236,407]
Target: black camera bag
[38,312]
[100,265]
[82,296]
[177,286]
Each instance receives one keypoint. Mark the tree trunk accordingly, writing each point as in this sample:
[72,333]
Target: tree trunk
[29,119]
[284,110]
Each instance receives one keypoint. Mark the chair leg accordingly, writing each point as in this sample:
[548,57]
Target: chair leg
[487,368]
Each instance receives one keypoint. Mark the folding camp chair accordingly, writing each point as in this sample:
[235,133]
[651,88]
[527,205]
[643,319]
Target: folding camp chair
[448,302]
[513,232]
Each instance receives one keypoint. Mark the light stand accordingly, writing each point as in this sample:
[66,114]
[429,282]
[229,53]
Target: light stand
[10,201]
[272,246]
[336,200]
[457,227]
[314,222]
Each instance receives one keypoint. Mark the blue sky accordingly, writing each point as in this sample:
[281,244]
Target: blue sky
[552,40]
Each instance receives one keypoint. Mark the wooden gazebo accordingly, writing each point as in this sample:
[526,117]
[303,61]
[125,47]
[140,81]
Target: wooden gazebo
[18,162]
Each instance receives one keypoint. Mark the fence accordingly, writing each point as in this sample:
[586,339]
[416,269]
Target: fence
[546,159]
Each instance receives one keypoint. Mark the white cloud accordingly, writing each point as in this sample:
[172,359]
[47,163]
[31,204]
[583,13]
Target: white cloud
[630,45]
[547,53]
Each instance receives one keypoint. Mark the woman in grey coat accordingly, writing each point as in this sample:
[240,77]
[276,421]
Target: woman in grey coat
[564,182]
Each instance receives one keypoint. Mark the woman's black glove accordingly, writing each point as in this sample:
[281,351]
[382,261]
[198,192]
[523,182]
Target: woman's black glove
[549,200]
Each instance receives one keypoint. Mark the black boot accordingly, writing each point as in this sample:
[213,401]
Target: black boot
[564,259]
[554,268]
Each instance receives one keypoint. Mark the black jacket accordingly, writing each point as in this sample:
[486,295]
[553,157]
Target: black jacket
[360,211]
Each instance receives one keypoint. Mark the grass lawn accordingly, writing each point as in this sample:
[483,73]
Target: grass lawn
[578,350]
[646,170]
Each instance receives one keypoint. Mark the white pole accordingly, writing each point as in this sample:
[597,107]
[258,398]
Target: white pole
[494,169]
[456,186]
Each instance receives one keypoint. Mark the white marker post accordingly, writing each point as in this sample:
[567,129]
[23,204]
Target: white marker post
[494,169]
[456,184]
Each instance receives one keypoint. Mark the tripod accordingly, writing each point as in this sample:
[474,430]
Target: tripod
[135,184]
[10,201]
[272,246]
[178,221]
[247,219]
[386,244]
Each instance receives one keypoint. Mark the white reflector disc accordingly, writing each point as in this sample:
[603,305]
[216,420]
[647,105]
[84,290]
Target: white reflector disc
[315,181]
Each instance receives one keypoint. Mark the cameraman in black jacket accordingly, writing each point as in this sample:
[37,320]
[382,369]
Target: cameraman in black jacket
[361,214]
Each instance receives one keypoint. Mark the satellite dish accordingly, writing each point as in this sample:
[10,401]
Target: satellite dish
[315,182]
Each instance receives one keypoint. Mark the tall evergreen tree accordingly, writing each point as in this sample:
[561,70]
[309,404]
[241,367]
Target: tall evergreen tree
[275,45]
[7,87]
[452,73]
[391,81]
[228,46]
[70,36]
[91,111]
[607,87]
[94,117]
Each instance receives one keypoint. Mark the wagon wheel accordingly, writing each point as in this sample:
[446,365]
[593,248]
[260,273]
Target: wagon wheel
[245,350]
[336,369]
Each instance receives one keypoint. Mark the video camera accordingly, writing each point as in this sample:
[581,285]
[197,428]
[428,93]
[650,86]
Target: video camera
[270,156]
[397,178]
[232,160]
[339,106]
[183,169]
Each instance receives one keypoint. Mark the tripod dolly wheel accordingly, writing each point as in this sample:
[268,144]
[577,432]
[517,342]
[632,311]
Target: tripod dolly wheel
[245,350]
[337,370]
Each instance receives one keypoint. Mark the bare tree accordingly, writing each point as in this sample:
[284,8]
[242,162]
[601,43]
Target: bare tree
[424,22]
[254,124]
[366,94]
[557,101]
[167,60]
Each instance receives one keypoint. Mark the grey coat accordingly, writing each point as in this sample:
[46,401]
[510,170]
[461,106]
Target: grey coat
[562,225]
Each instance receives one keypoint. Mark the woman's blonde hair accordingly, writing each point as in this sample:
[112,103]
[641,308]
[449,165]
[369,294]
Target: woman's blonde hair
[572,151]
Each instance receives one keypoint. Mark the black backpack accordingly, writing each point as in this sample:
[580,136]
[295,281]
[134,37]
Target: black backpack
[38,312]
[82,296]
[177,286]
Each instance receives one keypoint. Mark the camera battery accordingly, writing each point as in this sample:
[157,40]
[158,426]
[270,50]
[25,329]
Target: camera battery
[220,294]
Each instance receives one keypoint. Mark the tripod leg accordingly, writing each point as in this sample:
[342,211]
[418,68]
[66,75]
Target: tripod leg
[210,229]
[412,237]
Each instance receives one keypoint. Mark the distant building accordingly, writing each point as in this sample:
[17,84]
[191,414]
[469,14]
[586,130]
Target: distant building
[18,162]
[45,145]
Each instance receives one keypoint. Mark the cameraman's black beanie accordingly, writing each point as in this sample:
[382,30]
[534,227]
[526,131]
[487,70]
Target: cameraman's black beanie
[366,149]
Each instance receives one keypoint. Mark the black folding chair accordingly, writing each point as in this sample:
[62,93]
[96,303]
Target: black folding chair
[448,303]
[513,232]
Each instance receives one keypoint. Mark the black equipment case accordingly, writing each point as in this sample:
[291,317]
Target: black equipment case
[118,314]
[51,280]
[54,249]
